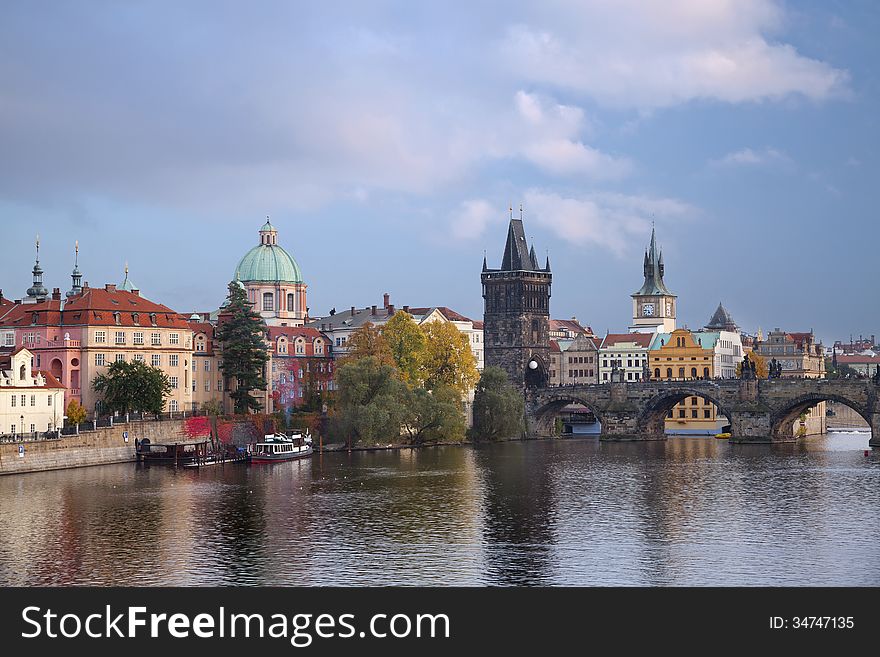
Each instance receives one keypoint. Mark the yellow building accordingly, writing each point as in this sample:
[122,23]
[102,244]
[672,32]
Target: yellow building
[681,356]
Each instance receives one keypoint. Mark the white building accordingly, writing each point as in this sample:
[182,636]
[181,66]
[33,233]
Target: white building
[31,401]
[629,351]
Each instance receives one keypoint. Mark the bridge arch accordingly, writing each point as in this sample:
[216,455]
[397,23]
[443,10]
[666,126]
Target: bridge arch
[546,407]
[783,418]
[654,411]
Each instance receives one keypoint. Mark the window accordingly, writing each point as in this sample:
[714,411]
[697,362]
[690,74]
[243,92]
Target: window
[282,346]
[138,337]
[207,365]
[14,402]
[319,347]
[681,413]
[707,414]
[175,381]
[174,338]
[268,301]
[219,385]
[49,400]
[290,303]
[656,372]
[694,414]
[100,337]
[120,337]
[680,372]
[9,339]
[173,360]
[705,372]
[155,339]
[300,346]
[99,359]
[668,372]
[207,385]
[670,414]
[694,401]
[693,372]
[174,406]
[120,358]
[156,360]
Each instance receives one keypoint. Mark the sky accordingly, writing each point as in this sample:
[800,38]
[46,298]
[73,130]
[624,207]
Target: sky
[388,140]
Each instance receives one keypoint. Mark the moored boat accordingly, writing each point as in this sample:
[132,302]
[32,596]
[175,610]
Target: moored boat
[280,447]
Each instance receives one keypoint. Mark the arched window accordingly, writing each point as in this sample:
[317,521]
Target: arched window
[693,372]
[21,372]
[705,372]
[290,303]
[680,372]
[657,373]
[668,372]
[268,301]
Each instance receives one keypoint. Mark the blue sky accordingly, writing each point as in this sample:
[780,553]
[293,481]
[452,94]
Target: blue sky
[387,139]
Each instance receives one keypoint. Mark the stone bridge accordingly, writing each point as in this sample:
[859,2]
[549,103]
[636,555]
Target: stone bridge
[760,411]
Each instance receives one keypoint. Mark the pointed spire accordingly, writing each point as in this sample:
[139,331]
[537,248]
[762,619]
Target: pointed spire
[75,275]
[37,292]
[485,265]
[547,266]
[533,257]
[516,251]
[653,269]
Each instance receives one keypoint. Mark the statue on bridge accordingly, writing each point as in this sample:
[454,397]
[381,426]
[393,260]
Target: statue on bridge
[748,371]
[774,370]
[876,377]
[646,371]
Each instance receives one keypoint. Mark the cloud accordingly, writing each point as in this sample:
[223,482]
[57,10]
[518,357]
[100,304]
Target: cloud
[749,157]
[473,217]
[658,54]
[611,221]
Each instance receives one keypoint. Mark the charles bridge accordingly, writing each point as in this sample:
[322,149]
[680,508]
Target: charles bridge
[759,410]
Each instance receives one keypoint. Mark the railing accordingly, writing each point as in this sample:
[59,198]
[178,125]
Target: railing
[55,344]
[30,436]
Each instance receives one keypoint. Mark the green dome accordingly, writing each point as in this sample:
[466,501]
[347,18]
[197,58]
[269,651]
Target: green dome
[268,263]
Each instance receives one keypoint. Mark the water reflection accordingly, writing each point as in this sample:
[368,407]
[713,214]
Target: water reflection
[688,511]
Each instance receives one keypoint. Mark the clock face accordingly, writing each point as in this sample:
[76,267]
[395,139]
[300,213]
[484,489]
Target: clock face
[648,310]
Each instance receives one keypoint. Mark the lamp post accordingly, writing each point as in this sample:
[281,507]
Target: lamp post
[22,427]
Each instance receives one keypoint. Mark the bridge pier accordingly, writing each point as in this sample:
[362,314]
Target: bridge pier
[752,425]
[875,431]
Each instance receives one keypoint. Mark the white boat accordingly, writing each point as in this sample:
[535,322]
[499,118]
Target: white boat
[280,447]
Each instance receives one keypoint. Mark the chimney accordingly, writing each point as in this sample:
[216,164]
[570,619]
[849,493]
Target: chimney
[352,311]
[373,313]
[390,307]
[110,287]
[86,285]
[386,298]
[56,294]
[1,295]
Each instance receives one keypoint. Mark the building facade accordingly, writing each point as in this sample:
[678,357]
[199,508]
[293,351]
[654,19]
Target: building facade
[516,315]
[31,401]
[624,353]
[654,306]
[579,362]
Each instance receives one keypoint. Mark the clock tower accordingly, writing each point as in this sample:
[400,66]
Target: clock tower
[654,306]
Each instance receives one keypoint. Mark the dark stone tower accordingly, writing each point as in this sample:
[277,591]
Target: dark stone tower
[516,316]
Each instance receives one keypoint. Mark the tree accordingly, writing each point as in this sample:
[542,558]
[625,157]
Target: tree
[212,407]
[760,365]
[241,336]
[498,407]
[76,414]
[837,370]
[133,387]
[448,360]
[370,402]
[406,342]
[367,341]
[434,415]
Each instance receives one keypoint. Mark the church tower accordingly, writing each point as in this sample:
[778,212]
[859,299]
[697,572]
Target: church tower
[654,305]
[37,292]
[516,317]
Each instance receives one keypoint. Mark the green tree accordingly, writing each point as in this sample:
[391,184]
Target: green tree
[448,360]
[839,370]
[241,336]
[212,407]
[76,414]
[367,341]
[434,415]
[370,402]
[498,407]
[133,387]
[406,342]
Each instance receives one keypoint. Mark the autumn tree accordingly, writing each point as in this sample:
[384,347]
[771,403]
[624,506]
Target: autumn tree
[241,337]
[434,415]
[448,360]
[75,412]
[761,370]
[367,341]
[498,407]
[406,342]
[370,402]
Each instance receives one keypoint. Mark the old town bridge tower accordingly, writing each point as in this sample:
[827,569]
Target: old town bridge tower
[516,316]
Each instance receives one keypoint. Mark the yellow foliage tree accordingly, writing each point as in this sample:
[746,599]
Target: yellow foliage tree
[368,341]
[406,341]
[76,414]
[448,360]
[760,365]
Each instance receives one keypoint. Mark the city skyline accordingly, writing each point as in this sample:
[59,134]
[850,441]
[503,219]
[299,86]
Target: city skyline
[388,162]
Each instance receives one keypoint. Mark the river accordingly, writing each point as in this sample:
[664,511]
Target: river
[688,511]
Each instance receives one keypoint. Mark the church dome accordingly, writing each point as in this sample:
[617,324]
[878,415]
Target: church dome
[268,262]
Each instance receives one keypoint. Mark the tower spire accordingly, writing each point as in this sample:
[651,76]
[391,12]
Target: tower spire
[37,292]
[75,275]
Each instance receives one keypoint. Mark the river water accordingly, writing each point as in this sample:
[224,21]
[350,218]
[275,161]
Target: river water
[688,511]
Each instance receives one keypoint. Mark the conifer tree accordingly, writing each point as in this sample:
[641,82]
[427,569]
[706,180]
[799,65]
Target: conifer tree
[241,336]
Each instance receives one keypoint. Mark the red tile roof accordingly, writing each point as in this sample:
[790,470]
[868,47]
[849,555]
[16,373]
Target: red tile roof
[857,359]
[448,313]
[641,339]
[554,346]
[571,325]
[95,307]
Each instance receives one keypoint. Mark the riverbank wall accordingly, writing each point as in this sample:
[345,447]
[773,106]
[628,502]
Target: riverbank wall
[97,447]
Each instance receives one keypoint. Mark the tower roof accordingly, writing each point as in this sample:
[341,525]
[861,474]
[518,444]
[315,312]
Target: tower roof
[721,320]
[653,270]
[516,252]
[268,262]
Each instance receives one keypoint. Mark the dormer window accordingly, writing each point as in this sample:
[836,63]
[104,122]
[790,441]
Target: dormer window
[153,319]
[136,318]
[116,317]
[35,318]
[21,374]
